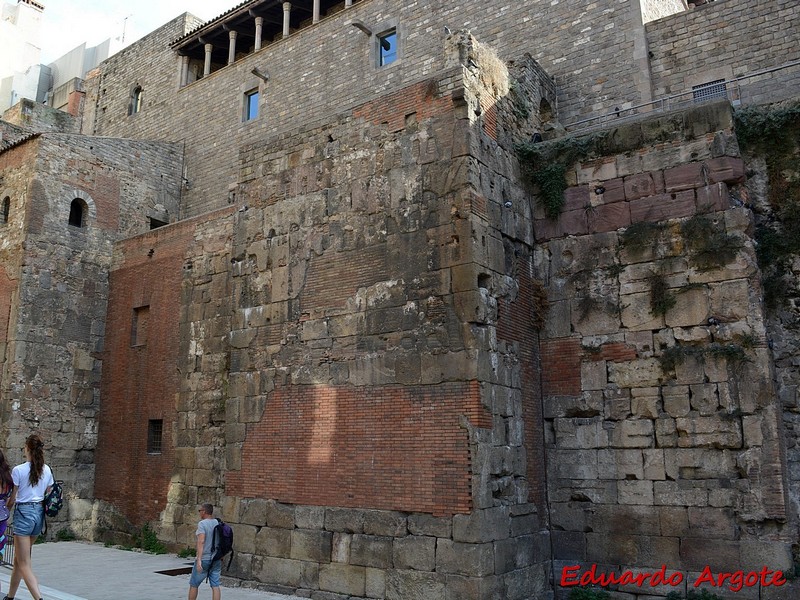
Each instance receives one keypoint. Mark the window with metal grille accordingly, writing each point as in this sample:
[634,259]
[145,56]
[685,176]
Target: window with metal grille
[709,91]
[155,429]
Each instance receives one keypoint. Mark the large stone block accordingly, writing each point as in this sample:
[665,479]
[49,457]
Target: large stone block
[645,372]
[415,585]
[371,551]
[312,545]
[414,552]
[464,559]
[343,579]
[483,525]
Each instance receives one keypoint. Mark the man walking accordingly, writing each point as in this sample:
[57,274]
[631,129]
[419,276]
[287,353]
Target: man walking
[203,565]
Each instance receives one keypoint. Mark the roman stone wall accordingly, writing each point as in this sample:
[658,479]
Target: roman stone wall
[326,68]
[357,390]
[142,351]
[772,157]
[663,426]
[726,40]
[38,117]
[16,171]
[57,317]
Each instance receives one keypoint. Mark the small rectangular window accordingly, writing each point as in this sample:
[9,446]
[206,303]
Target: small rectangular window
[141,316]
[155,430]
[387,47]
[250,105]
[709,91]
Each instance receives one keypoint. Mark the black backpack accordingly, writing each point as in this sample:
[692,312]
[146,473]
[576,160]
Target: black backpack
[222,542]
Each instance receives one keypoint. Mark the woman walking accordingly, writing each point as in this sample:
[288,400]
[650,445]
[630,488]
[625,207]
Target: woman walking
[32,480]
[6,485]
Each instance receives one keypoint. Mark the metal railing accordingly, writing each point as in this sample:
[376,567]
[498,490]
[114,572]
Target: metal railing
[767,85]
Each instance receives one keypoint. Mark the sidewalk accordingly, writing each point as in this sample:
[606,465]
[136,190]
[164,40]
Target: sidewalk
[85,571]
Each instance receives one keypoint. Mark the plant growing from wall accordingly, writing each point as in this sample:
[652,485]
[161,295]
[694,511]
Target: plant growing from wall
[709,245]
[641,236]
[661,299]
[774,133]
[545,165]
[675,355]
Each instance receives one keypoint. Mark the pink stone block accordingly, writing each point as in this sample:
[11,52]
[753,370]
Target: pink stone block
[663,206]
[574,222]
[685,177]
[609,217]
[639,186]
[576,198]
[614,191]
[546,229]
[726,169]
[712,198]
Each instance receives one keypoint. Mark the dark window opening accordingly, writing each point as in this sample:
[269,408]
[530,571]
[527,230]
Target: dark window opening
[136,101]
[155,223]
[155,429]
[76,212]
[250,105]
[709,91]
[6,208]
[387,47]
[141,317]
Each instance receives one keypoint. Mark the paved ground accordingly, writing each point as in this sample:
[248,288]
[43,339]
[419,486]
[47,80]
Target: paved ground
[82,571]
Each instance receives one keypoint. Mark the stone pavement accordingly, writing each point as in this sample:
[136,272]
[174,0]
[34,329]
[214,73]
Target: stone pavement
[85,571]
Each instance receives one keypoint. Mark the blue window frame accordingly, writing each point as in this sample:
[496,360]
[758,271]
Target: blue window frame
[250,105]
[387,47]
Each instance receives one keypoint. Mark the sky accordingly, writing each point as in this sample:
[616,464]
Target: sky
[68,23]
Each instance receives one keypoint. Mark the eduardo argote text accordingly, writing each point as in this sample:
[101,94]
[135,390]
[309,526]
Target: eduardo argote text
[735,581]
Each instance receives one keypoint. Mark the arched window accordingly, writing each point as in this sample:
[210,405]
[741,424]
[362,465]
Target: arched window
[6,208]
[136,100]
[77,210]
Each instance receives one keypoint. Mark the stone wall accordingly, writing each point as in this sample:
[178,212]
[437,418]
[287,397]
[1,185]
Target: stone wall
[662,423]
[726,40]
[326,68]
[658,9]
[357,389]
[58,288]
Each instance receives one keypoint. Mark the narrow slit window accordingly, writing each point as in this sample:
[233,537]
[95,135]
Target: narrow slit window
[387,47]
[136,101]
[6,208]
[250,105]
[155,433]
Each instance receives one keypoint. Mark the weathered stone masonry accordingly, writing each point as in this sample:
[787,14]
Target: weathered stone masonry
[359,333]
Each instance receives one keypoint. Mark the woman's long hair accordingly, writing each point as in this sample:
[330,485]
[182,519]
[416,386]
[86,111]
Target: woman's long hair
[35,448]
[6,483]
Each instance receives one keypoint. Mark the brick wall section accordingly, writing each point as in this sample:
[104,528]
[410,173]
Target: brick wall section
[142,379]
[561,367]
[723,40]
[390,448]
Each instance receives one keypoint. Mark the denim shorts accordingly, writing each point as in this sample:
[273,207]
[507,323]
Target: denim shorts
[28,518]
[213,574]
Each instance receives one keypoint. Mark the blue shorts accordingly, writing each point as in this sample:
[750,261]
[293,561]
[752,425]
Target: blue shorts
[28,518]
[212,571]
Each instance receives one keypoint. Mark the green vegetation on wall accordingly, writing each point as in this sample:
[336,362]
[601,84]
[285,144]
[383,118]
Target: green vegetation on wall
[545,165]
[773,132]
